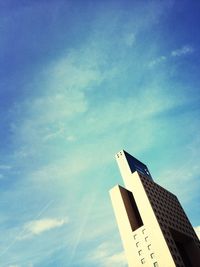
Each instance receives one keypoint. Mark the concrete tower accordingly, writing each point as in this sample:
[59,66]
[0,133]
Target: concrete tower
[154,228]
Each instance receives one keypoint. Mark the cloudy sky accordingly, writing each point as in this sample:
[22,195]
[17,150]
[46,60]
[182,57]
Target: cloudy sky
[79,81]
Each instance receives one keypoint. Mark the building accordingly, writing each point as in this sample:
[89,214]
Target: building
[154,228]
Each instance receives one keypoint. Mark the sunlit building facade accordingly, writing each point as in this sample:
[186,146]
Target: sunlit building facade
[153,226]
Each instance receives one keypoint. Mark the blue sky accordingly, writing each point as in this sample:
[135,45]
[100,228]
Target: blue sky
[79,81]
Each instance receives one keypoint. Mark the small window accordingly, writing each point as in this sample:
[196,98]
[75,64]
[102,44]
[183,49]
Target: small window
[155,264]
[135,236]
[149,247]
[152,255]
[143,231]
[146,238]
[143,261]
[140,252]
[137,244]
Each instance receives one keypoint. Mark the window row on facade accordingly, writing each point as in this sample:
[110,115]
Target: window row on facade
[165,203]
[158,190]
[166,206]
[143,231]
[177,224]
[140,252]
[169,212]
[155,264]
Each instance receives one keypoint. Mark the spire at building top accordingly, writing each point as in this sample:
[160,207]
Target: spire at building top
[134,164]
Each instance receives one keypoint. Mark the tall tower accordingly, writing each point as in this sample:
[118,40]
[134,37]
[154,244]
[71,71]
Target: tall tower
[154,228]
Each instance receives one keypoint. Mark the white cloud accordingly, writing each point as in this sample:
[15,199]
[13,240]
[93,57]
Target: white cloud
[71,138]
[63,85]
[118,258]
[37,227]
[157,61]
[74,72]
[5,167]
[44,119]
[58,106]
[129,39]
[186,49]
[197,230]
[17,265]
[123,111]
[106,257]
[65,169]
[52,134]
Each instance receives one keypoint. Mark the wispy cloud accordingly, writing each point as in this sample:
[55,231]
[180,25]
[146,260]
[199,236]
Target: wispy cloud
[117,259]
[157,61]
[71,138]
[19,265]
[130,39]
[104,256]
[37,227]
[5,167]
[52,134]
[185,50]
[64,84]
